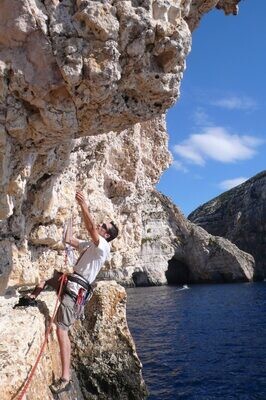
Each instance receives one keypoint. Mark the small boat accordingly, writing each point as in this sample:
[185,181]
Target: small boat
[183,287]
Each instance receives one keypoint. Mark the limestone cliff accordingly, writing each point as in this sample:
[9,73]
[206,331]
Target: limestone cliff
[77,81]
[239,215]
[105,363]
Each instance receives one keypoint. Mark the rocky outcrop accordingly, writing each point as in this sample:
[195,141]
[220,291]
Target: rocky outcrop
[104,354]
[105,357]
[22,334]
[79,68]
[196,255]
[239,215]
[198,8]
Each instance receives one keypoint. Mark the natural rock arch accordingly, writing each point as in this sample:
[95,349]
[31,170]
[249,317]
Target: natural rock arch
[177,272]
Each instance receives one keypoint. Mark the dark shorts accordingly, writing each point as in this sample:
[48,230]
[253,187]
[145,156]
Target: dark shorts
[65,315]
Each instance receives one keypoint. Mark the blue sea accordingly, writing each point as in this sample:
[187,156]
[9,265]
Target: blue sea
[203,342]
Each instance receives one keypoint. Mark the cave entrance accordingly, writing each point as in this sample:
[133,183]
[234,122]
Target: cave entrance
[140,278]
[177,272]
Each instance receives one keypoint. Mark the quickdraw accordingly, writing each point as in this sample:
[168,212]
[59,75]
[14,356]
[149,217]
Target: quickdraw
[81,300]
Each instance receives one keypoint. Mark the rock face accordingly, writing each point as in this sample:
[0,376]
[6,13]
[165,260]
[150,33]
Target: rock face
[239,215]
[102,341]
[78,68]
[115,171]
[70,71]
[22,333]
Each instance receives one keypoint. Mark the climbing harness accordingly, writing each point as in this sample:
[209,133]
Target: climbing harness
[80,292]
[82,299]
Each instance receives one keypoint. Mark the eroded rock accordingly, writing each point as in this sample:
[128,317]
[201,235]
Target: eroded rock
[114,171]
[79,68]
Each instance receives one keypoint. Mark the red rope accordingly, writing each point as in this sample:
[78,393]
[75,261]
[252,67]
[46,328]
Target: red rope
[27,383]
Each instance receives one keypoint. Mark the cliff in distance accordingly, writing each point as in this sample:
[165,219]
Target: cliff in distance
[176,251]
[240,216]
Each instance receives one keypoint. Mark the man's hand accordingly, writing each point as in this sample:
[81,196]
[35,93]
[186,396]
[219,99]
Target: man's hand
[80,199]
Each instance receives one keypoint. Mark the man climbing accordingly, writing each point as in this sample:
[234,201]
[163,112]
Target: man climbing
[93,254]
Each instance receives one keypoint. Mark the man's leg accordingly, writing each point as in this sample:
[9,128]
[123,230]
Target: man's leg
[65,352]
[29,299]
[63,384]
[64,319]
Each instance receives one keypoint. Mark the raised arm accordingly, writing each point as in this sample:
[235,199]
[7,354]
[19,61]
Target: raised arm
[69,238]
[89,223]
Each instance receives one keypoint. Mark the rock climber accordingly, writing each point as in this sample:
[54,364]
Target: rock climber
[93,254]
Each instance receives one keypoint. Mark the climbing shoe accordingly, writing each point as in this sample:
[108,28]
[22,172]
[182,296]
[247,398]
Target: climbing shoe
[61,385]
[26,301]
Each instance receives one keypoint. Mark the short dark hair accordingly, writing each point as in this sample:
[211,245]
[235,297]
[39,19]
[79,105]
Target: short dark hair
[113,232]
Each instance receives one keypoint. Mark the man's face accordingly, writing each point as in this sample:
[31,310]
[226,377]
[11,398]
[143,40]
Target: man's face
[103,229]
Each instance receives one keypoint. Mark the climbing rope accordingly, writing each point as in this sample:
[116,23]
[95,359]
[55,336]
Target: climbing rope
[69,254]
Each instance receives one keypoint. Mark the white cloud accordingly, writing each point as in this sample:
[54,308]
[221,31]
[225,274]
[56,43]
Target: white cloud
[230,183]
[236,103]
[178,165]
[188,151]
[201,118]
[218,144]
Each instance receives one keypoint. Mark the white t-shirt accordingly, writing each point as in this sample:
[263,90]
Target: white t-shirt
[91,258]
[90,261]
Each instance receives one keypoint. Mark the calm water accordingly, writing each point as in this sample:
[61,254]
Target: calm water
[206,342]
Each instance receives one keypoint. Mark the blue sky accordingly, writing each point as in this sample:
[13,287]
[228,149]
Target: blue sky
[217,128]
